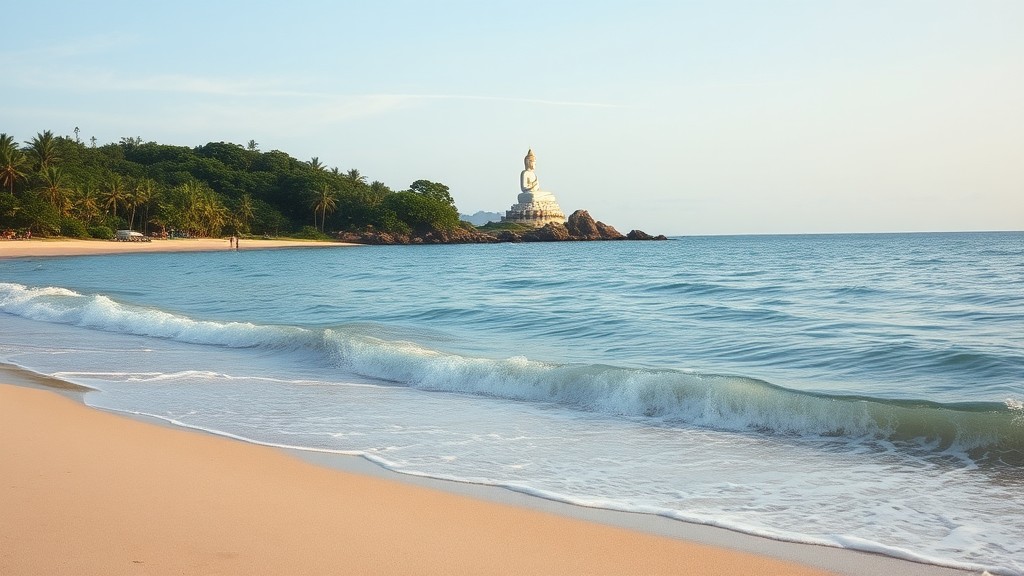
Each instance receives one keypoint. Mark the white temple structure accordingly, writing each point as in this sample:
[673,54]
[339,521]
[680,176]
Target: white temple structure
[536,207]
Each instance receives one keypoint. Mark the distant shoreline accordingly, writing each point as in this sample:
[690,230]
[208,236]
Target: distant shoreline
[76,247]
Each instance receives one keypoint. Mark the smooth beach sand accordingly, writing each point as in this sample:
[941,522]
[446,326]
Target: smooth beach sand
[83,491]
[70,247]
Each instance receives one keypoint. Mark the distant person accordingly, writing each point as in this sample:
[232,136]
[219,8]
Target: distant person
[237,242]
[231,241]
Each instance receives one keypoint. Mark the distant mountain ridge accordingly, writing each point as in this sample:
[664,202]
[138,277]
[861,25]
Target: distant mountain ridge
[480,218]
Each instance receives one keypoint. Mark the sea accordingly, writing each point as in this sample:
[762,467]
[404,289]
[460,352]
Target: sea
[862,391]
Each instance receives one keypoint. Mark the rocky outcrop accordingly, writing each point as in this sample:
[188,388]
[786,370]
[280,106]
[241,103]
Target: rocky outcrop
[607,232]
[550,232]
[508,236]
[641,235]
[579,226]
[456,236]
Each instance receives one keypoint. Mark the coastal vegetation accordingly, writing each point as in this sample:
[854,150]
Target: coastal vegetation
[62,186]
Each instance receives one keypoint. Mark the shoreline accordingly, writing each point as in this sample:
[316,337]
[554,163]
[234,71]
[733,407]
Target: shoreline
[80,247]
[585,540]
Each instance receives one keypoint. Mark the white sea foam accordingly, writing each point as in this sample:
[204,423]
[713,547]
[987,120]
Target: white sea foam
[721,402]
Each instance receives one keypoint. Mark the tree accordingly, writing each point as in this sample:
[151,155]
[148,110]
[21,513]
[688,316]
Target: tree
[115,193]
[195,208]
[140,196]
[253,146]
[324,201]
[434,190]
[12,162]
[355,177]
[44,148]
[87,203]
[421,212]
[55,191]
[317,165]
[246,212]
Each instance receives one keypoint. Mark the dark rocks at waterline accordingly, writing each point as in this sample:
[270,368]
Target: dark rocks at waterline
[456,236]
[580,226]
[641,235]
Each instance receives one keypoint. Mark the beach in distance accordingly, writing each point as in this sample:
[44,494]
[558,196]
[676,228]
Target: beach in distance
[832,404]
[77,247]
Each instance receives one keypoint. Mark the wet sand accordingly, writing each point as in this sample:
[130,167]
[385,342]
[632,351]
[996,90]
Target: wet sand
[89,492]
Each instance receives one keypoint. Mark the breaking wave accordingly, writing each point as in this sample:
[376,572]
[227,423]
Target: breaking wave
[988,432]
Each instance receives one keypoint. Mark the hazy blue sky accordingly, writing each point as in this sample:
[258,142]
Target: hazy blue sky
[675,117]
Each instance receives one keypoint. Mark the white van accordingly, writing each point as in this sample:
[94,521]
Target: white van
[129,236]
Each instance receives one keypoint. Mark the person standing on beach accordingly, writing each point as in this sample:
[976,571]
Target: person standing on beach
[231,241]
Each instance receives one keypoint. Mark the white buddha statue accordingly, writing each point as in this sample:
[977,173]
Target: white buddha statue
[529,184]
[536,207]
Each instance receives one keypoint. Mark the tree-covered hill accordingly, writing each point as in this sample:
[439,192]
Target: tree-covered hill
[58,185]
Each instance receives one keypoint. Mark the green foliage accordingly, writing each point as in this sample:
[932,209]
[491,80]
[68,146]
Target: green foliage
[73,228]
[310,233]
[434,190]
[421,212]
[56,184]
[38,216]
[101,232]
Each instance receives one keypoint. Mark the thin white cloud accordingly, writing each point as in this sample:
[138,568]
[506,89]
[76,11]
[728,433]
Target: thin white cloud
[47,52]
[508,99]
[92,81]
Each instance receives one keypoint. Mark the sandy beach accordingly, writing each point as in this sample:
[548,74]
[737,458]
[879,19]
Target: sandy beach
[89,492]
[74,247]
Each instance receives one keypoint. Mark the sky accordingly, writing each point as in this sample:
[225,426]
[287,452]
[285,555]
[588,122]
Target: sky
[674,117]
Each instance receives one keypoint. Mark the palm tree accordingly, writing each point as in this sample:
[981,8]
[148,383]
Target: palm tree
[54,190]
[246,212]
[201,211]
[148,194]
[324,201]
[317,165]
[114,195]
[12,161]
[355,177]
[6,143]
[140,195]
[44,148]
[87,203]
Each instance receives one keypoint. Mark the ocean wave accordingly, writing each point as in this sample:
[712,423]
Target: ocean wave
[988,432]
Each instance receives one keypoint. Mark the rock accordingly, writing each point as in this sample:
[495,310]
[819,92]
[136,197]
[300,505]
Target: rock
[550,232]
[508,236]
[581,226]
[608,233]
[641,235]
[455,236]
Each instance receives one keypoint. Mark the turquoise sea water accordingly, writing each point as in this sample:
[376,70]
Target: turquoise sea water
[864,391]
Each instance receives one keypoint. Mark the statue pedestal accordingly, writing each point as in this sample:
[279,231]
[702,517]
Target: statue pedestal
[535,213]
